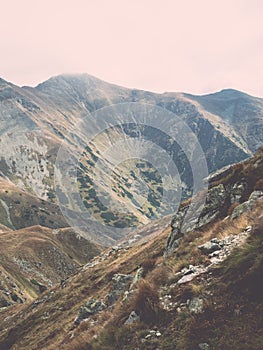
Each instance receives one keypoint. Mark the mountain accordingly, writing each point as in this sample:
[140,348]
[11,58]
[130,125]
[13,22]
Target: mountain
[183,278]
[35,121]
[36,258]
[197,294]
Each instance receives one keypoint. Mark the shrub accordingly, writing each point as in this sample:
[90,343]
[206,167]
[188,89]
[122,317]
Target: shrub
[146,302]
[148,265]
[159,275]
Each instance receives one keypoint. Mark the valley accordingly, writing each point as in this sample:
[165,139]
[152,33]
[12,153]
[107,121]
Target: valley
[108,247]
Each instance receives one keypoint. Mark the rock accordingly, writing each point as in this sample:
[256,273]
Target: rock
[92,307]
[152,333]
[248,205]
[16,298]
[216,200]
[239,210]
[137,277]
[4,303]
[196,305]
[255,196]
[42,287]
[176,235]
[214,254]
[203,346]
[198,270]
[209,247]
[185,221]
[120,285]
[237,191]
[188,270]
[133,317]
[43,300]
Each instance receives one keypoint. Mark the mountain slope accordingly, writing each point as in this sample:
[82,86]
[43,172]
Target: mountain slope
[36,258]
[34,122]
[199,296]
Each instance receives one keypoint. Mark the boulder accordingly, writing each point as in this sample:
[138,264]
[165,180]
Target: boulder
[204,346]
[209,247]
[186,221]
[92,307]
[133,317]
[137,277]
[121,284]
[194,216]
[236,191]
[248,205]
[196,305]
[4,303]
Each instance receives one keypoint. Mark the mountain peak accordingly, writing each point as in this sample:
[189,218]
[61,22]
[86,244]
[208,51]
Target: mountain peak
[69,79]
[229,93]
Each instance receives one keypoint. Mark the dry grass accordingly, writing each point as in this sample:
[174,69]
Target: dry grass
[180,330]
[145,302]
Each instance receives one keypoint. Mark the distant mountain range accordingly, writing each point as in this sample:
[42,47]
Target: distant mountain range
[35,121]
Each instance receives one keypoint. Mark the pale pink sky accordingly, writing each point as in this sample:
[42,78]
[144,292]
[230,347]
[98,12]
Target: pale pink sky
[195,46]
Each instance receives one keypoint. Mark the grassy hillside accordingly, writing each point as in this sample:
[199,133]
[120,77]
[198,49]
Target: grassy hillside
[206,295]
[36,258]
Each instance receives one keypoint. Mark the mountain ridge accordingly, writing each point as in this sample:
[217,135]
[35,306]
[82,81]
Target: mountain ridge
[35,121]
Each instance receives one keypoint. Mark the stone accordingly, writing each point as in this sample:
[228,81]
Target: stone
[203,346]
[120,285]
[4,303]
[248,205]
[186,221]
[16,298]
[133,317]
[137,277]
[176,235]
[196,271]
[239,210]
[188,270]
[209,247]
[216,199]
[92,307]
[237,191]
[196,305]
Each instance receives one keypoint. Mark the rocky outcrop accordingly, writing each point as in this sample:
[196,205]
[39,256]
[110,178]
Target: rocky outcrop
[120,283]
[10,291]
[248,205]
[184,221]
[211,246]
[217,251]
[92,307]
[218,200]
